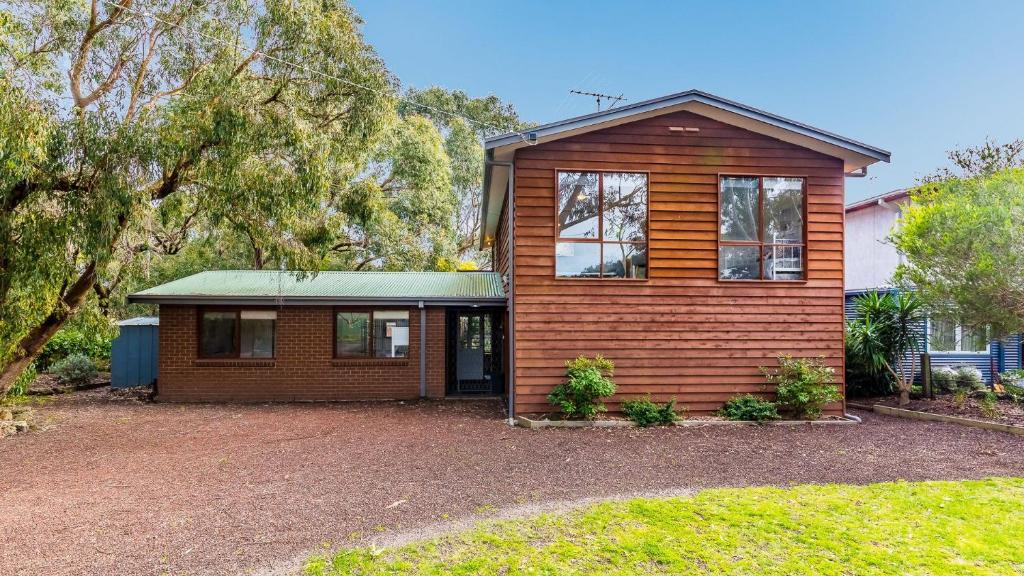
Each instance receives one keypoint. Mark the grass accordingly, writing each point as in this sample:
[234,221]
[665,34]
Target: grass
[970,527]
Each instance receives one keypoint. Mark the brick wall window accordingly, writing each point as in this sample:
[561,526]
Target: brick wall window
[237,333]
[371,333]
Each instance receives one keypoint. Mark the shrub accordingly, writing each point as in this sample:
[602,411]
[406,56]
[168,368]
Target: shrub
[803,385]
[1012,378]
[749,407]
[646,413]
[75,369]
[969,378]
[989,406]
[71,341]
[944,379]
[588,381]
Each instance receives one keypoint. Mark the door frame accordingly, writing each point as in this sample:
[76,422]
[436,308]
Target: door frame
[498,350]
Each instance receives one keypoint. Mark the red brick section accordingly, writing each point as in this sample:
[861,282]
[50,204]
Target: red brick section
[304,367]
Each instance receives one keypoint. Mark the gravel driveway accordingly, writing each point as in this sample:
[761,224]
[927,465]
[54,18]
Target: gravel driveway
[121,487]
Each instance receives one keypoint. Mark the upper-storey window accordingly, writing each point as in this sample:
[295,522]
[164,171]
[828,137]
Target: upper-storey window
[761,228]
[602,225]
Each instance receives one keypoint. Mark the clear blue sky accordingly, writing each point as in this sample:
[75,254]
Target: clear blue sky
[915,78]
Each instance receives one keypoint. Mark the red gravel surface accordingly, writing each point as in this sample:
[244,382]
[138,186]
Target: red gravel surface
[125,487]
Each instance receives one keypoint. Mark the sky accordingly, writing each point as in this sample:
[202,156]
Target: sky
[914,78]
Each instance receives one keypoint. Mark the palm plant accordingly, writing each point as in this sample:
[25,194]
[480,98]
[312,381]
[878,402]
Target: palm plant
[887,328]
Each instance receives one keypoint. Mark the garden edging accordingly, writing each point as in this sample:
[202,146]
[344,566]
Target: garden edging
[914,414]
[545,423]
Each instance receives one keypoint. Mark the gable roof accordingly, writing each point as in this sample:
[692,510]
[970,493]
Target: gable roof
[855,155]
[272,287]
[884,198]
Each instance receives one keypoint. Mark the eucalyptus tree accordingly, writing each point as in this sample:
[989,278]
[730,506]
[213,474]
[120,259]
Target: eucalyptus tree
[123,125]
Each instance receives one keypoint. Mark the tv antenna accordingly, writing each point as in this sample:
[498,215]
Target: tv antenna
[615,99]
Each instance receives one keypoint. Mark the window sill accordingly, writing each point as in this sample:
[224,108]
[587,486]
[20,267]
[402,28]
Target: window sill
[235,362]
[769,282]
[370,362]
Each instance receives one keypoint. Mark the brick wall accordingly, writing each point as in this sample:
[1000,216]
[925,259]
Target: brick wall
[303,368]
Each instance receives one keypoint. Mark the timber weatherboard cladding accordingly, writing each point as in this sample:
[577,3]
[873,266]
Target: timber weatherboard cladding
[682,333]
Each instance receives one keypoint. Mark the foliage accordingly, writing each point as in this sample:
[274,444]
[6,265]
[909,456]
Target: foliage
[944,379]
[646,413]
[588,381]
[21,385]
[862,382]
[984,160]
[888,326]
[972,528]
[964,249]
[75,369]
[803,385]
[1012,377]
[989,405]
[70,341]
[127,142]
[747,407]
[960,397]
[969,378]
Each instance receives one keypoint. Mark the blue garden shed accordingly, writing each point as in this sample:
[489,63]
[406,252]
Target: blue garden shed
[134,353]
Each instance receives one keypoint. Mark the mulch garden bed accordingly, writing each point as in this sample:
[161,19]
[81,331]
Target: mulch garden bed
[1009,412]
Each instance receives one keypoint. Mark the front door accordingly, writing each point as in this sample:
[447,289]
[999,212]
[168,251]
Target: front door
[475,347]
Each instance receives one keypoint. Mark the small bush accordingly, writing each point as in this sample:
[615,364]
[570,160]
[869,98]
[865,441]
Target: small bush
[960,398]
[588,381]
[749,407]
[71,341]
[803,385]
[989,406]
[75,369]
[969,378]
[944,379]
[646,413]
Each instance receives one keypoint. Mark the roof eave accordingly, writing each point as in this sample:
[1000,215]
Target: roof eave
[197,299]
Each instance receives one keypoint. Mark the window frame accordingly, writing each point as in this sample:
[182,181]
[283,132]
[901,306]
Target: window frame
[369,333]
[237,356]
[760,244]
[958,341]
[600,227]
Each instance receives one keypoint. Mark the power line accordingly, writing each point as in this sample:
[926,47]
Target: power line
[237,44]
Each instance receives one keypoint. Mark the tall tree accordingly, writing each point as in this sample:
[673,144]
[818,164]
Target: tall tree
[464,122]
[124,124]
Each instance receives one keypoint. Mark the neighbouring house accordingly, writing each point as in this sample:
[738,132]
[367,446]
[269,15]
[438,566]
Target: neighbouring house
[871,262]
[688,238]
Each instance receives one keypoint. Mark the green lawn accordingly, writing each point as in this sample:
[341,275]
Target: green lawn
[973,527]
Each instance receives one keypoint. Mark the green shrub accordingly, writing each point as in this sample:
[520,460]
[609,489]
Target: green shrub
[588,381]
[944,379]
[1012,378]
[75,369]
[71,341]
[969,378]
[989,405]
[749,407]
[803,385]
[646,413]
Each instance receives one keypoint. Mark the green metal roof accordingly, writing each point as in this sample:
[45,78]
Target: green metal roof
[253,286]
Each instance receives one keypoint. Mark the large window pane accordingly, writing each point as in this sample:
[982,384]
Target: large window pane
[625,260]
[943,335]
[578,259]
[353,334]
[782,262]
[577,204]
[738,263]
[625,206]
[973,339]
[738,211]
[257,338]
[783,210]
[217,337]
[391,333]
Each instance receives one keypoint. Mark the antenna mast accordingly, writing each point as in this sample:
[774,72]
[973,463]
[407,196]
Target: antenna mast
[615,99]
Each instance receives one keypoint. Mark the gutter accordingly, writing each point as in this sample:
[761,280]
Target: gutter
[307,300]
[511,234]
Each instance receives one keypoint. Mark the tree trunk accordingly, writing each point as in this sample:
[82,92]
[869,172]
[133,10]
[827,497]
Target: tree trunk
[904,396]
[32,344]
